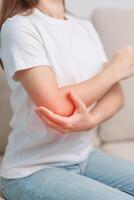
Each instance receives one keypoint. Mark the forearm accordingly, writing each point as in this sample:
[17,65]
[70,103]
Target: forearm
[110,103]
[93,89]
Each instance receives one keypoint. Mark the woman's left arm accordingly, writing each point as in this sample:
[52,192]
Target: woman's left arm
[110,103]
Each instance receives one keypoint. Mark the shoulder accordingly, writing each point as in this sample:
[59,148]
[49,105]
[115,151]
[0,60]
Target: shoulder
[16,26]
[14,22]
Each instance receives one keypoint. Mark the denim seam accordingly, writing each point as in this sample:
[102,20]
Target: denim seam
[80,167]
[89,159]
[122,189]
[83,166]
[127,190]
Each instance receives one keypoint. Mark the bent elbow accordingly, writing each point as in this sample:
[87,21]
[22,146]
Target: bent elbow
[63,105]
[64,110]
[60,104]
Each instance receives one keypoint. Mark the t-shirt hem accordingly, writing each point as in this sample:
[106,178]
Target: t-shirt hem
[28,66]
[14,175]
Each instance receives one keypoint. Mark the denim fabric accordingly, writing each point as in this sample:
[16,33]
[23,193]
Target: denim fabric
[101,177]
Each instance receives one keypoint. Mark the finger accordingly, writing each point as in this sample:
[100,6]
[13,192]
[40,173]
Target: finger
[77,101]
[52,116]
[51,124]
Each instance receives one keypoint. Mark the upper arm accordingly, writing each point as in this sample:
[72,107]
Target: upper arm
[21,46]
[41,85]
[25,60]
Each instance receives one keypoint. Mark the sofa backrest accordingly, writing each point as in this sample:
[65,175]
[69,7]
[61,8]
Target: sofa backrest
[5,111]
[116,30]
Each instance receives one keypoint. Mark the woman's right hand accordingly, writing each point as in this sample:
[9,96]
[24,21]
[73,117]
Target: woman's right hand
[122,63]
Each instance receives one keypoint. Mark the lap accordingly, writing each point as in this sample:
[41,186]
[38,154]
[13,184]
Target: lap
[60,184]
[111,170]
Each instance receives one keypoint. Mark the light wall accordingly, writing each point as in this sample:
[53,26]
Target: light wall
[84,8]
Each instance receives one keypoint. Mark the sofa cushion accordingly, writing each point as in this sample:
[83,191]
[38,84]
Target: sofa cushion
[122,149]
[110,25]
[5,111]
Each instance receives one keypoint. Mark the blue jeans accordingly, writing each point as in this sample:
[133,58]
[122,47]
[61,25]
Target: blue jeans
[101,177]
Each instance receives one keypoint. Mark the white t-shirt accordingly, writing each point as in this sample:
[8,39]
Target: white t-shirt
[73,49]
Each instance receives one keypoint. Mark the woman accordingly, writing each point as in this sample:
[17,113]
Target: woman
[62,86]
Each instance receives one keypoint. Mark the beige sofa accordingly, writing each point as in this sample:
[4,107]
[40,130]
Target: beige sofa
[116,135]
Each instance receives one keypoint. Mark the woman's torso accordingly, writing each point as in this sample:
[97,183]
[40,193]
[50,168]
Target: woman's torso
[72,50]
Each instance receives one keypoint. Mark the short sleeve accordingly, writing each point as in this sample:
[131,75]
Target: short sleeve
[98,44]
[21,46]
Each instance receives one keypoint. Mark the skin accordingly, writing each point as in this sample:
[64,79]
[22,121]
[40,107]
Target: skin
[65,108]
